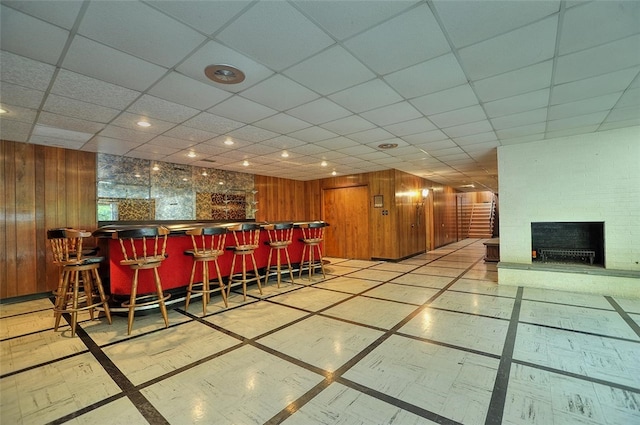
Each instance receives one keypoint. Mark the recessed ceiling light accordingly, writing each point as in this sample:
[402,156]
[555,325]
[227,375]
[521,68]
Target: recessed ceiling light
[184,179]
[323,163]
[144,124]
[334,173]
[204,173]
[284,154]
[156,167]
[224,74]
[191,154]
[388,145]
[220,183]
[228,142]
[3,111]
[138,175]
[245,163]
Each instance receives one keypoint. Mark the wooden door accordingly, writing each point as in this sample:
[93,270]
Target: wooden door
[347,212]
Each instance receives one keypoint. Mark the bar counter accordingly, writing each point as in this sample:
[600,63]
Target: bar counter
[176,269]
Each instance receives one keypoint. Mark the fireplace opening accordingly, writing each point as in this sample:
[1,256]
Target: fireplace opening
[579,243]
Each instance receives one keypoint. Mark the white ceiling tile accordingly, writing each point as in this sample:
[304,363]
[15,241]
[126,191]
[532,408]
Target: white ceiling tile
[536,137]
[610,125]
[357,150]
[57,142]
[420,38]
[394,140]
[468,129]
[419,125]
[576,122]
[428,136]
[252,134]
[187,91]
[79,87]
[516,82]
[283,142]
[308,149]
[282,123]
[337,143]
[120,133]
[520,103]
[207,17]
[153,156]
[427,77]
[215,53]
[171,142]
[320,72]
[392,114]
[18,113]
[599,60]
[60,13]
[157,150]
[594,86]
[584,106]
[598,22]
[154,107]
[25,72]
[526,130]
[12,94]
[473,139]
[520,119]
[108,145]
[319,111]
[139,30]
[259,149]
[347,125]
[280,92]
[69,123]
[189,134]
[479,148]
[366,96]
[343,19]
[468,22]
[571,131]
[130,121]
[526,46]
[264,33]
[30,37]
[446,100]
[242,110]
[79,109]
[630,98]
[624,114]
[373,135]
[104,63]
[313,134]
[73,136]
[459,116]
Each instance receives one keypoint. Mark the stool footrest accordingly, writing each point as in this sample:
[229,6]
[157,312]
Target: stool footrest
[153,297]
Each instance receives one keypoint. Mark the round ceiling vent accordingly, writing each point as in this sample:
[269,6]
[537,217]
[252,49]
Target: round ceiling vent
[224,74]
[388,145]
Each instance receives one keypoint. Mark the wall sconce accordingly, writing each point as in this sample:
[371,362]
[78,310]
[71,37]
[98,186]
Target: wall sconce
[420,205]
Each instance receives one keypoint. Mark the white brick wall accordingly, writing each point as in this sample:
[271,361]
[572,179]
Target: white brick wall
[591,177]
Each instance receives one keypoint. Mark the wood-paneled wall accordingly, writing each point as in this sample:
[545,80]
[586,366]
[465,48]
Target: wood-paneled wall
[42,188]
[404,231]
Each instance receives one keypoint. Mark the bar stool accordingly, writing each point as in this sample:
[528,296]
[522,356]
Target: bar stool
[66,246]
[280,237]
[144,249]
[312,237]
[208,245]
[247,240]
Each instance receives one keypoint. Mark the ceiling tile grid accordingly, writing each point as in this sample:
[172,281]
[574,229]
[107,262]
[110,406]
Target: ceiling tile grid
[447,81]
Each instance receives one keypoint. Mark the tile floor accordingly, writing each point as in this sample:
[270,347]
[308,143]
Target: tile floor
[432,339]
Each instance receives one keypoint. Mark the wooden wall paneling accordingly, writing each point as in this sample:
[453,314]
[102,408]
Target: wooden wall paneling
[8,235]
[280,199]
[26,260]
[383,241]
[53,202]
[410,230]
[40,219]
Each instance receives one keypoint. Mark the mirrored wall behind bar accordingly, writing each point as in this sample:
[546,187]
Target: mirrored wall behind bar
[133,189]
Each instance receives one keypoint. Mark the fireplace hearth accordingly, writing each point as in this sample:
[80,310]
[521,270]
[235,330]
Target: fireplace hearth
[570,243]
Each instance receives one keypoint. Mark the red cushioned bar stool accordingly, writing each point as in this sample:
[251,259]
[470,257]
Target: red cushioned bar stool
[247,239]
[312,238]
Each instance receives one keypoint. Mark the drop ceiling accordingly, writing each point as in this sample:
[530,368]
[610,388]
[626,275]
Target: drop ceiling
[326,81]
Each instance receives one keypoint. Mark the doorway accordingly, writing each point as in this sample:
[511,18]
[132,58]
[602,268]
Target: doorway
[347,212]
